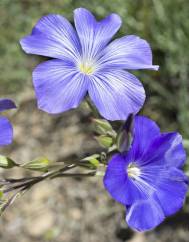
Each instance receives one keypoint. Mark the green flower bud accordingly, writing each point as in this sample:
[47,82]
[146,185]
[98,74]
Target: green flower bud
[93,160]
[39,164]
[105,141]
[102,126]
[6,162]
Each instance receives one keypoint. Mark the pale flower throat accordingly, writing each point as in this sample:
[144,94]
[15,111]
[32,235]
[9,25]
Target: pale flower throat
[133,171]
[86,67]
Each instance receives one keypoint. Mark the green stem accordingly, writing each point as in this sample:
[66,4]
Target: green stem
[21,185]
[75,175]
[92,107]
[28,182]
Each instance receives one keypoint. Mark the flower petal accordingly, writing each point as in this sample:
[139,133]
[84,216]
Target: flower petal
[144,215]
[172,187]
[94,35]
[169,183]
[145,131]
[116,94]
[129,52]
[167,150]
[115,179]
[52,36]
[176,155]
[6,104]
[122,188]
[59,87]
[6,132]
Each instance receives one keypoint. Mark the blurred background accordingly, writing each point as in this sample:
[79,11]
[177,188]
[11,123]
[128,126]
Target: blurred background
[75,210]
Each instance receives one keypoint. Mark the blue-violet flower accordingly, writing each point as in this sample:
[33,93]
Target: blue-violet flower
[86,63]
[148,179]
[6,130]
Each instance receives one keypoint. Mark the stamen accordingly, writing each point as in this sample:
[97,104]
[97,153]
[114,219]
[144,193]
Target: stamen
[86,68]
[133,171]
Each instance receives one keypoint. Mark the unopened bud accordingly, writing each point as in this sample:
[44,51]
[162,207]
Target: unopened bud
[39,164]
[125,136]
[6,162]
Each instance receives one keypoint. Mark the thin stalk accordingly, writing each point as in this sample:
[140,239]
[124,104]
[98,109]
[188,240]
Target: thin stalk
[93,109]
[75,175]
[25,182]
[21,185]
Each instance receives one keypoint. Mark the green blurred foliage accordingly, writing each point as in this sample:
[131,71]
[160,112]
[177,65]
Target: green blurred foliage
[164,24]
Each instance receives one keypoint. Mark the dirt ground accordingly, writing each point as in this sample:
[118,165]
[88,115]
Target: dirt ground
[67,209]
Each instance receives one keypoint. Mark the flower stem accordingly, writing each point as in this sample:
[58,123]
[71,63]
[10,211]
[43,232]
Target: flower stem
[92,107]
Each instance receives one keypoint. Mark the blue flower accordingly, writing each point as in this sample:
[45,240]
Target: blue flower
[86,63]
[148,179]
[6,131]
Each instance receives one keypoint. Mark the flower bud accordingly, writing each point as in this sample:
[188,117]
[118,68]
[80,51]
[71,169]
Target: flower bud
[92,159]
[102,126]
[39,164]
[6,162]
[105,141]
[125,136]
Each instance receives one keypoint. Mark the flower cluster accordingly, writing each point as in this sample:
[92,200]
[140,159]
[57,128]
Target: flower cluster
[146,176]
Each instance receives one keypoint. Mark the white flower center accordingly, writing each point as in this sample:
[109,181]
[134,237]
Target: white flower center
[133,171]
[86,67]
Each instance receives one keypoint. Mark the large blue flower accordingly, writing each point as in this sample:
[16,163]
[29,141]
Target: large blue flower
[148,179]
[6,131]
[85,62]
